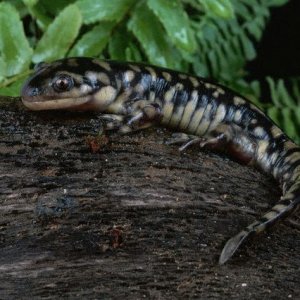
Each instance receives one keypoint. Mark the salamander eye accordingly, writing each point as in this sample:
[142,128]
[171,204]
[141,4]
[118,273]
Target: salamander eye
[63,83]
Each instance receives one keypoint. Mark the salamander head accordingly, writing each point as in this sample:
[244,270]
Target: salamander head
[72,84]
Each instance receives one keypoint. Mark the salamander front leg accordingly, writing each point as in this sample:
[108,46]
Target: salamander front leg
[143,117]
[111,121]
[140,118]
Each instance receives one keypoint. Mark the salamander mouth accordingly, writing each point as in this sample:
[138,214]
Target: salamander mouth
[55,104]
[34,99]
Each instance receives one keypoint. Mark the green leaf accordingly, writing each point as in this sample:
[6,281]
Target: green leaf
[277,93]
[248,47]
[54,7]
[94,41]
[296,91]
[289,125]
[30,3]
[41,17]
[132,53]
[277,2]
[219,8]
[148,30]
[177,26]
[118,42]
[44,11]
[287,99]
[103,10]
[59,36]
[286,110]
[2,69]
[254,29]
[19,6]
[273,113]
[14,89]
[15,51]
[225,45]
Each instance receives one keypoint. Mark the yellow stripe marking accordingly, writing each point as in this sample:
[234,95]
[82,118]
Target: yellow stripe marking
[238,100]
[279,207]
[182,76]
[129,76]
[105,96]
[103,78]
[219,117]
[135,68]
[102,64]
[167,76]
[261,149]
[270,215]
[139,88]
[167,112]
[259,132]
[205,122]
[189,110]
[275,131]
[237,116]
[152,73]
[179,86]
[194,81]
[176,117]
[169,94]
[196,120]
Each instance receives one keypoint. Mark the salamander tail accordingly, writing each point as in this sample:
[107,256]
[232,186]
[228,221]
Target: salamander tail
[232,245]
[288,202]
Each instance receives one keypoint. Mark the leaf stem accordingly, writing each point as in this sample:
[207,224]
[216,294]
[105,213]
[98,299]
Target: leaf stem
[13,79]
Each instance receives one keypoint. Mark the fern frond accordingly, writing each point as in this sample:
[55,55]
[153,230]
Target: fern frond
[227,44]
[286,109]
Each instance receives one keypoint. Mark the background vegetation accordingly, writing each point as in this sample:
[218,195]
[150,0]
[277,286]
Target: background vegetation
[210,38]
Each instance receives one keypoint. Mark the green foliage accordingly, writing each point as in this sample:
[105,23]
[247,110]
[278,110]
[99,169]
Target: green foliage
[58,35]
[210,38]
[103,10]
[14,47]
[226,44]
[177,27]
[156,43]
[94,41]
[286,109]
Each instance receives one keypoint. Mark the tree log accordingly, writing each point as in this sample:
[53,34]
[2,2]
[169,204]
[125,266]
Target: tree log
[94,217]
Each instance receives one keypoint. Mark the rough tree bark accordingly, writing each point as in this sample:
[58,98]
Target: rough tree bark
[130,217]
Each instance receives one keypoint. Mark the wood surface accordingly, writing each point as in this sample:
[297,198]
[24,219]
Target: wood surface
[129,217]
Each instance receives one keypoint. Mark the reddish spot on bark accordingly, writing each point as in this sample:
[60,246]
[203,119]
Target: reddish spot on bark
[96,143]
[116,237]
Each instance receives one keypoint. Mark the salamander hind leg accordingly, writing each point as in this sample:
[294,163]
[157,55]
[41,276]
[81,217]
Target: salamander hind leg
[216,139]
[224,137]
[179,138]
[233,141]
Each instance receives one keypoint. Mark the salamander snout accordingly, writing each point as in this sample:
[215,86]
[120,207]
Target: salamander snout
[28,91]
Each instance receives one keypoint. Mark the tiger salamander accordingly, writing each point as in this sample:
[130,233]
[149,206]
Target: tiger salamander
[133,96]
